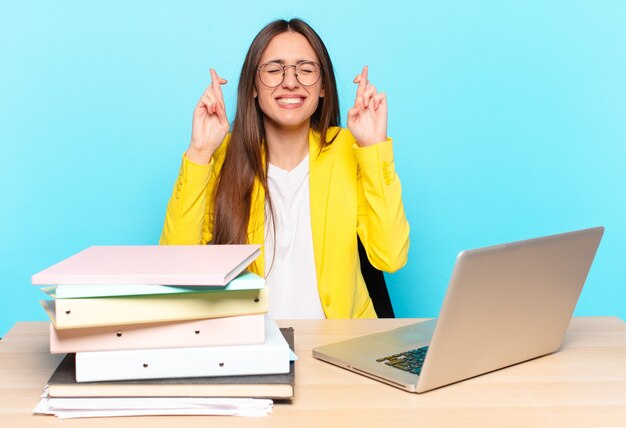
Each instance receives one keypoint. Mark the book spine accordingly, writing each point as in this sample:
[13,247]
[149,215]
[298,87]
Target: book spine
[97,312]
[272,357]
[237,330]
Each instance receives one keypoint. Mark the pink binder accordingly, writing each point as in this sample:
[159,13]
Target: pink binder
[156,264]
[239,330]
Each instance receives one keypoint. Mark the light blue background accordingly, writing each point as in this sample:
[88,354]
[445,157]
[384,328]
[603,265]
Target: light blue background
[509,121]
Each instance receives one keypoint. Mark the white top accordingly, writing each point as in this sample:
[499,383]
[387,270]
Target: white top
[290,276]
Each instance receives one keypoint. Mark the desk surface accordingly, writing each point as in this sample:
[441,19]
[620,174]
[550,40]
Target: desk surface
[584,384]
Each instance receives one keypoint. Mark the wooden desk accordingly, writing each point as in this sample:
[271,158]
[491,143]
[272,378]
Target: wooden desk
[582,385]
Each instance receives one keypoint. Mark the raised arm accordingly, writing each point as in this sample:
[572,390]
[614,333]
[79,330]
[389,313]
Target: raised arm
[382,224]
[186,218]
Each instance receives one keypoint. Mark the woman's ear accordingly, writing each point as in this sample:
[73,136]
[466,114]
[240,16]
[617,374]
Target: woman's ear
[254,93]
[322,92]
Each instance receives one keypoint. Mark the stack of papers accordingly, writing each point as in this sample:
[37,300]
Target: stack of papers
[66,408]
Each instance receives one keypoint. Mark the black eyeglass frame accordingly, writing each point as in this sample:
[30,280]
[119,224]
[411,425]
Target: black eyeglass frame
[295,70]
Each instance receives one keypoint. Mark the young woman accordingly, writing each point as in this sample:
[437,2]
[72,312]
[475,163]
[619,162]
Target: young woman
[289,178]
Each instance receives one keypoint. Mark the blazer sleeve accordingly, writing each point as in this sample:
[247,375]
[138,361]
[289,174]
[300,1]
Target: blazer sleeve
[187,214]
[382,224]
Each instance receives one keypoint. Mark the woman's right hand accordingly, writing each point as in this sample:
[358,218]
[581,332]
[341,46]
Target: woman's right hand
[210,124]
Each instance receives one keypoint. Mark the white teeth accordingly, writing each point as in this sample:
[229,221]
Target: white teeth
[290,100]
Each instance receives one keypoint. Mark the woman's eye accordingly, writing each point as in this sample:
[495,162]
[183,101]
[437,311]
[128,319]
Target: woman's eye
[273,70]
[307,68]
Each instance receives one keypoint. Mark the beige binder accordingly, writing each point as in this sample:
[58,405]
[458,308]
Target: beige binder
[95,312]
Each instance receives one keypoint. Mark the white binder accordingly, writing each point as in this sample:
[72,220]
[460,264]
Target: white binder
[272,357]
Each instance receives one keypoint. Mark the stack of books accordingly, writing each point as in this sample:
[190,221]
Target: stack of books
[164,321]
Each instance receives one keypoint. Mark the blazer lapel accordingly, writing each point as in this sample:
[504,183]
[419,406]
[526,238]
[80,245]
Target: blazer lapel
[320,171]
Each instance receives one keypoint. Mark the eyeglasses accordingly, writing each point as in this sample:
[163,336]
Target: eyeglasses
[272,74]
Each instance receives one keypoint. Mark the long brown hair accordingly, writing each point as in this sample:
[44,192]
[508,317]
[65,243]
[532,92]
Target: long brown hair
[246,155]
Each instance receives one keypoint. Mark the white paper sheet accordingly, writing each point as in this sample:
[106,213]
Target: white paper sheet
[65,408]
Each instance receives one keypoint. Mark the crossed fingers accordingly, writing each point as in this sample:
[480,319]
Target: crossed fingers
[212,98]
[366,94]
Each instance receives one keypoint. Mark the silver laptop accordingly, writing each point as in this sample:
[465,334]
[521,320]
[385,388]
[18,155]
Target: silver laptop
[505,304]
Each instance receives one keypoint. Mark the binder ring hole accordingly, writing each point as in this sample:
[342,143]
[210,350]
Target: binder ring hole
[119,334]
[145,365]
[256,300]
[197,331]
[68,312]
[221,364]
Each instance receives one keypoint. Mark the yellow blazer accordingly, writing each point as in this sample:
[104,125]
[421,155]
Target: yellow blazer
[353,190]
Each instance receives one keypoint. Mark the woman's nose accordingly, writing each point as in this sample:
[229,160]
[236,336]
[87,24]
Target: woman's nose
[290,80]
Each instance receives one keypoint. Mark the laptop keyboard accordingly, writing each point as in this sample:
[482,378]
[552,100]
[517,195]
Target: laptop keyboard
[409,361]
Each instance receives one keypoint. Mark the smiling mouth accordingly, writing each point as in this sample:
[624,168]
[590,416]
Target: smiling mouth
[290,101]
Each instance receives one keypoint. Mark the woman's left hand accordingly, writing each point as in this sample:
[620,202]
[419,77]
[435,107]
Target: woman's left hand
[367,119]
